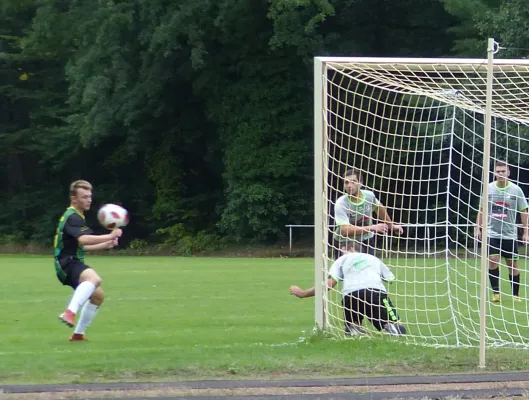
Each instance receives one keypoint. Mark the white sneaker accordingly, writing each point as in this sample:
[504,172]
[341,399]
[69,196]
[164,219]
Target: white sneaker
[395,329]
[354,330]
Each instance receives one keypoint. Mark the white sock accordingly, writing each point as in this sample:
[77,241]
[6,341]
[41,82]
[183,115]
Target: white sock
[88,313]
[83,292]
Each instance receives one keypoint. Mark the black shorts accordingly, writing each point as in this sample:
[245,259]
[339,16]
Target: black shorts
[72,268]
[373,304]
[506,248]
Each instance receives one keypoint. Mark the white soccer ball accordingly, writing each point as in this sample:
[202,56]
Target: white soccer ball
[112,216]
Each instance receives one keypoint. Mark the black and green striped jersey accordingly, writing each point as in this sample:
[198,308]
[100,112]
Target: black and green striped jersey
[71,226]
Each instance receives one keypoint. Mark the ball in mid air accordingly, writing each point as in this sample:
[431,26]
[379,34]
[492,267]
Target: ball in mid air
[112,216]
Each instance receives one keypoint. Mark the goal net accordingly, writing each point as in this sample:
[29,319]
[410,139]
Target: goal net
[414,128]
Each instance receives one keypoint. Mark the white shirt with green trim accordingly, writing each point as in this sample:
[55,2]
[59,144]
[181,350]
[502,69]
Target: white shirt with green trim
[504,205]
[359,214]
[359,271]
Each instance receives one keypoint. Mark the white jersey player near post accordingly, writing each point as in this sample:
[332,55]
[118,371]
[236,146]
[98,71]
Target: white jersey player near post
[364,294]
[353,215]
[505,201]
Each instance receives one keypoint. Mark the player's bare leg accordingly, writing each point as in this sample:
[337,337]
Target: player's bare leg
[88,282]
[87,315]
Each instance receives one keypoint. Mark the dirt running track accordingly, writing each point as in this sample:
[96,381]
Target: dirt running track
[467,386]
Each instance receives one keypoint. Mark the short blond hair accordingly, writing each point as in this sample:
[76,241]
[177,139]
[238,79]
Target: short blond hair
[80,184]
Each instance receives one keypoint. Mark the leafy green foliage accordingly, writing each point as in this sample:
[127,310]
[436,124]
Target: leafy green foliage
[186,243]
[508,24]
[196,114]
[469,40]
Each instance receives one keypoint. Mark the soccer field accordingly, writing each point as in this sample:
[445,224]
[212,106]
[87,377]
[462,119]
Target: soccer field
[168,318]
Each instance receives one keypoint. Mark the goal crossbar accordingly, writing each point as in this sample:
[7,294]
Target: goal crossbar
[433,63]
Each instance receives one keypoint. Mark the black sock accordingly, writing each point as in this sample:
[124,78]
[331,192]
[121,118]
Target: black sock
[515,284]
[494,277]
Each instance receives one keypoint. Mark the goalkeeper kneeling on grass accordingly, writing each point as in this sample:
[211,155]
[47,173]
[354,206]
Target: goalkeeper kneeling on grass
[364,294]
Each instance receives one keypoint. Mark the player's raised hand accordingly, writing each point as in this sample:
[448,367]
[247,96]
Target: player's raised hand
[397,229]
[116,233]
[296,291]
[380,228]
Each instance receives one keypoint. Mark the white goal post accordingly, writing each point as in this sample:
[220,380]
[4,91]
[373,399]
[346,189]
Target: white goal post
[425,134]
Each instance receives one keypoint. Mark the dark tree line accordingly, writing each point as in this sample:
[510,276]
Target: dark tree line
[194,114]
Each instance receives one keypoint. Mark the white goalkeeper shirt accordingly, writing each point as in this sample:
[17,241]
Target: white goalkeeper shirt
[359,271]
[347,212]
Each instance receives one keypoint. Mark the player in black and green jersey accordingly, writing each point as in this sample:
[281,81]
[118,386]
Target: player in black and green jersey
[73,237]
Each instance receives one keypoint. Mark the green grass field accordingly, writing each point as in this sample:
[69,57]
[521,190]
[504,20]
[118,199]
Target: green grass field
[168,318]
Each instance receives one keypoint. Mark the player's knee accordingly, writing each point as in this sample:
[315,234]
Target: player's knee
[90,275]
[97,297]
[494,261]
[95,279]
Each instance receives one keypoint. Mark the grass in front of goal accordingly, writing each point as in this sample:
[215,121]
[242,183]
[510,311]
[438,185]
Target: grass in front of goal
[171,318]
[443,302]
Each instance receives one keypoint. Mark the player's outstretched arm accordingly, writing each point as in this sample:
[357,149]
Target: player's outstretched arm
[524,216]
[352,230]
[477,230]
[298,292]
[88,240]
[102,246]
[382,214]
[386,274]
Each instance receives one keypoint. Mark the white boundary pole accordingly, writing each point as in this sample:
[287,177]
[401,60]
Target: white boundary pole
[485,206]
[319,232]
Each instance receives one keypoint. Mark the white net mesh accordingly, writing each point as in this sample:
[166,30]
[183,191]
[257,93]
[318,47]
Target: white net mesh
[415,131]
